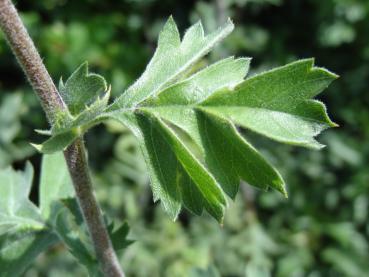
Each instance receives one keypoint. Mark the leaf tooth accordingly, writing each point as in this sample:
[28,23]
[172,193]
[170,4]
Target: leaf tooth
[61,84]
[43,132]
[38,147]
[194,33]
[169,36]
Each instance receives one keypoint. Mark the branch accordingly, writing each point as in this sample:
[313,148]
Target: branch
[75,155]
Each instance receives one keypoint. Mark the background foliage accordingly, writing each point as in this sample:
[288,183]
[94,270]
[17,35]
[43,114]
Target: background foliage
[321,230]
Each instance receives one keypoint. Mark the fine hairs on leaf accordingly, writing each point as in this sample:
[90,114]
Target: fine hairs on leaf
[208,106]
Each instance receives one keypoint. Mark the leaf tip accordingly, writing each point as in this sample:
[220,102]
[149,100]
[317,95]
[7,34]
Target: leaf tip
[334,125]
[38,147]
[43,132]
[284,191]
[230,23]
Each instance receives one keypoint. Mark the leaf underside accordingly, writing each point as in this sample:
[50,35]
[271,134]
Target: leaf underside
[187,124]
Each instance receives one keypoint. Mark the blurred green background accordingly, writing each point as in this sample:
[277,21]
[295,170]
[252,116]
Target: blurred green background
[321,230]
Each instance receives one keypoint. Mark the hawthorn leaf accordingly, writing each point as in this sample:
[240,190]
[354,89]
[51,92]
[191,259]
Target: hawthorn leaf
[173,180]
[226,73]
[163,182]
[179,169]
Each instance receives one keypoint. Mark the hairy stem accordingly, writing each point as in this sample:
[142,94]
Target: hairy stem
[29,59]
[75,155]
[78,167]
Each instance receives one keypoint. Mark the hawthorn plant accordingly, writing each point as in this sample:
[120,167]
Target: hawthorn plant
[187,124]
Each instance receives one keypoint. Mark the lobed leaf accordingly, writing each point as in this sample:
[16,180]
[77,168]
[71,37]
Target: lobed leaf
[207,106]
[86,96]
[119,235]
[187,123]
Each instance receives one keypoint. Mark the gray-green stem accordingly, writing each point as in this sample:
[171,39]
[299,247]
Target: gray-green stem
[75,155]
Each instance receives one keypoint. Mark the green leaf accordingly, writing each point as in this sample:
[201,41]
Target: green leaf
[185,178]
[230,157]
[23,233]
[17,212]
[171,59]
[62,212]
[208,106]
[187,123]
[55,184]
[26,230]
[56,143]
[119,235]
[81,89]
[278,103]
[85,119]
[81,93]
[19,250]
[71,230]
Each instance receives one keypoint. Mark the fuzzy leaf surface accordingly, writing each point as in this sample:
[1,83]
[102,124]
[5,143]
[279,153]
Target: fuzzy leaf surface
[81,89]
[172,58]
[188,123]
[188,126]
[86,96]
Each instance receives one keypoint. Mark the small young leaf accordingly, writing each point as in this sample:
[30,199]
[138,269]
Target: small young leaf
[82,94]
[119,235]
[81,89]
